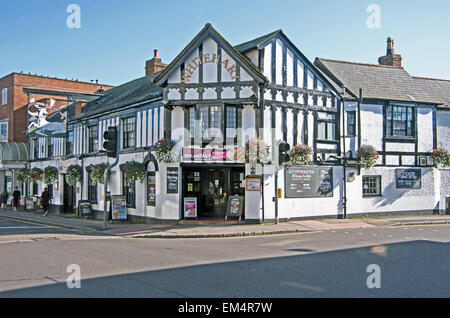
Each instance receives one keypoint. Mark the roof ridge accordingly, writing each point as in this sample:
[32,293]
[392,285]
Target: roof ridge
[431,79]
[270,34]
[359,63]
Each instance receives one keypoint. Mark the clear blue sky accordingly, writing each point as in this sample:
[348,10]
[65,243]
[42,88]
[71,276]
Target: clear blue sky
[117,37]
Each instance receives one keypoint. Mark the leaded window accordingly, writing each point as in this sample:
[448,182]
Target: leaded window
[129,132]
[371,186]
[93,138]
[400,121]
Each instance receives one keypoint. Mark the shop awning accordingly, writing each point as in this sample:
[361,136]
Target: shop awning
[13,155]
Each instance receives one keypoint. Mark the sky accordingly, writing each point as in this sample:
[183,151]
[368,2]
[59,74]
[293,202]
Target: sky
[116,37]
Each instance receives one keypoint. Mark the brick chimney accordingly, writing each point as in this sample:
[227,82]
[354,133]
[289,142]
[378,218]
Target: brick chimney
[154,65]
[390,59]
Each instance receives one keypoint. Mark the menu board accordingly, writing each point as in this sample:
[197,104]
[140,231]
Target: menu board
[119,207]
[408,178]
[308,182]
[235,206]
[151,188]
[29,204]
[172,180]
[190,208]
[85,208]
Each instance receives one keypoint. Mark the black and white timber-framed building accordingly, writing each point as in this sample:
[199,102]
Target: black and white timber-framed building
[214,97]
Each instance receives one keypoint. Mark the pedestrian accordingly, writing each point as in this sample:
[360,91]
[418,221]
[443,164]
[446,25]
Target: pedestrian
[4,199]
[16,198]
[45,200]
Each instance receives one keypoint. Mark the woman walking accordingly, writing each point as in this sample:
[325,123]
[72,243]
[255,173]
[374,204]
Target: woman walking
[4,199]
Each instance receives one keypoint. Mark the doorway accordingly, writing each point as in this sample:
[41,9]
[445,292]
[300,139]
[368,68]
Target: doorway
[212,187]
[69,197]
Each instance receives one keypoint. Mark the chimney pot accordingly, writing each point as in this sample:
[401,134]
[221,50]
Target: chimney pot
[155,53]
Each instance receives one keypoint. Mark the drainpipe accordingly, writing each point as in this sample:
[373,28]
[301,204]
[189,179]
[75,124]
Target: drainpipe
[344,198]
[261,126]
[359,124]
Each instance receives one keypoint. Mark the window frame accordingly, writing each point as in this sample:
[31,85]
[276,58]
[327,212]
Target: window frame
[4,93]
[378,184]
[390,120]
[327,122]
[93,146]
[70,144]
[92,189]
[126,186]
[126,134]
[353,124]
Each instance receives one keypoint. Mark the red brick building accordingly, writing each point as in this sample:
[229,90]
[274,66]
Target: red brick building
[14,101]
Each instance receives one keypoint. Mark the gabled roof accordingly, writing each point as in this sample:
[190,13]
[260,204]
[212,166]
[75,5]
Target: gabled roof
[208,30]
[135,91]
[256,42]
[439,89]
[379,81]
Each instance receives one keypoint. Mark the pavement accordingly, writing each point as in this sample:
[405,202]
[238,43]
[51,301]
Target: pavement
[222,230]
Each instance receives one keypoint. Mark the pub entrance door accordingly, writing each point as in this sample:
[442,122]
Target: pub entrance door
[212,187]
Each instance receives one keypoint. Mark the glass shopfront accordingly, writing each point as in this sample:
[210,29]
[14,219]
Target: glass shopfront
[212,187]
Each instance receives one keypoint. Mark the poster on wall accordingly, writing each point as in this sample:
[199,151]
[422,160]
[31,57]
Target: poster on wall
[151,188]
[253,183]
[172,180]
[408,178]
[119,207]
[308,182]
[190,208]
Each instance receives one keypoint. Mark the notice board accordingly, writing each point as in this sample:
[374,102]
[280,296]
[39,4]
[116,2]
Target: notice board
[308,182]
[172,180]
[151,188]
[119,207]
[408,178]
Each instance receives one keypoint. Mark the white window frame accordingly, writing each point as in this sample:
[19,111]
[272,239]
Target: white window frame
[4,96]
[6,123]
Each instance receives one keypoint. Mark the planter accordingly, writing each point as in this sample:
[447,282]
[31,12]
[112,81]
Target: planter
[300,154]
[164,151]
[50,175]
[257,151]
[134,171]
[97,173]
[73,175]
[440,158]
[367,156]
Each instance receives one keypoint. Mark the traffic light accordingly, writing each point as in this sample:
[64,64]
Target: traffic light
[110,143]
[283,155]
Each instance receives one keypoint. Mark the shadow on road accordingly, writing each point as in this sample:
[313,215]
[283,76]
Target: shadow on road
[409,269]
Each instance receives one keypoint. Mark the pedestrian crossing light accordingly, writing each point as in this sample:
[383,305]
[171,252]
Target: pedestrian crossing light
[110,143]
[283,152]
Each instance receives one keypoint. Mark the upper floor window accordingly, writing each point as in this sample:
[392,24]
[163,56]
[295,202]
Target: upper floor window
[92,138]
[400,121]
[129,132]
[50,147]
[351,123]
[4,132]
[326,127]
[69,144]
[4,96]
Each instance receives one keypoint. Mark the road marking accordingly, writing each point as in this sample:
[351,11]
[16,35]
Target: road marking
[23,227]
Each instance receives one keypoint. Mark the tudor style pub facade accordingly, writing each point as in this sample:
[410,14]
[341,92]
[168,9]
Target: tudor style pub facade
[214,97]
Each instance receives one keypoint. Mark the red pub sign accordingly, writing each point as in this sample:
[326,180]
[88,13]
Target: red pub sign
[210,154]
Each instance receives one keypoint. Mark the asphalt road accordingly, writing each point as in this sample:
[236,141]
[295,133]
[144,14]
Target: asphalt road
[413,262]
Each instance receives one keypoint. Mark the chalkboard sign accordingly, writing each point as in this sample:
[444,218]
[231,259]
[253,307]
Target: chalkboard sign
[235,206]
[151,188]
[119,207]
[408,178]
[308,182]
[85,208]
[172,180]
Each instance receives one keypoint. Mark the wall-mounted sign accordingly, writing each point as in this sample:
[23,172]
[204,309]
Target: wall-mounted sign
[408,178]
[85,208]
[190,208]
[235,206]
[308,182]
[119,207]
[205,59]
[29,204]
[253,183]
[172,180]
[151,188]
[199,155]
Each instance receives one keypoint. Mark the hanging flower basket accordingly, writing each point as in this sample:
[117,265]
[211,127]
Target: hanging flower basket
[98,172]
[134,171]
[36,174]
[367,156]
[73,174]
[256,150]
[300,154]
[50,175]
[25,175]
[164,151]
[440,157]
